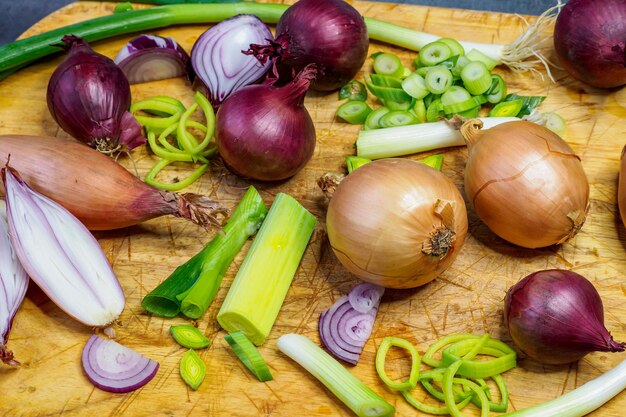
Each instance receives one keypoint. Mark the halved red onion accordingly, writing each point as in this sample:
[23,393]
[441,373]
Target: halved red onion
[116,368]
[347,325]
[219,62]
[60,255]
[13,286]
[151,58]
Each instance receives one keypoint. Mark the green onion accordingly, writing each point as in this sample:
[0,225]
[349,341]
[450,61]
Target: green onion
[388,64]
[386,80]
[381,356]
[354,112]
[476,55]
[406,140]
[192,369]
[434,53]
[354,90]
[438,79]
[476,78]
[506,108]
[455,47]
[349,389]
[415,86]
[373,119]
[262,282]
[397,118]
[249,355]
[433,161]
[196,282]
[353,162]
[189,336]
[497,90]
[385,93]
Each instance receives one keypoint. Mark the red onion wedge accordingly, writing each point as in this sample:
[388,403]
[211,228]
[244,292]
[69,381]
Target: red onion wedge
[13,285]
[219,62]
[116,368]
[151,58]
[61,255]
[347,325]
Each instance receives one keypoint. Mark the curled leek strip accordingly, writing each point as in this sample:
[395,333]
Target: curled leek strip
[381,356]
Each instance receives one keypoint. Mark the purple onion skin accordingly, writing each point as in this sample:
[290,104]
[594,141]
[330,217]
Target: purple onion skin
[556,317]
[590,41]
[89,96]
[328,33]
[264,132]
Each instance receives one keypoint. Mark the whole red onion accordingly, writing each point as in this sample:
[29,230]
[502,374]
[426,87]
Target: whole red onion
[556,317]
[264,132]
[89,97]
[590,41]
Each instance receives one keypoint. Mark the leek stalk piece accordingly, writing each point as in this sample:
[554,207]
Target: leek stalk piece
[259,289]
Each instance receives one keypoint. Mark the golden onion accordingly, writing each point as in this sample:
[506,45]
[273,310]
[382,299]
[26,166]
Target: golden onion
[621,188]
[525,183]
[396,222]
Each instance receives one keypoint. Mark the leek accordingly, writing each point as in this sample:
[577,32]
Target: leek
[345,386]
[260,286]
[404,140]
[193,285]
[521,55]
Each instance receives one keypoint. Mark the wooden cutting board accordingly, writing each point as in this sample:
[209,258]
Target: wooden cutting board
[466,298]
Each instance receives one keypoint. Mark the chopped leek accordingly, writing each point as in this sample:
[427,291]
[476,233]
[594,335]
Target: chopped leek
[373,119]
[353,162]
[406,140]
[448,392]
[192,369]
[386,80]
[505,108]
[505,357]
[349,389]
[189,336]
[193,285]
[476,77]
[381,356]
[262,282]
[438,80]
[385,93]
[354,111]
[433,161]
[476,55]
[529,103]
[249,355]
[397,118]
[455,47]
[388,64]
[415,86]
[434,53]
[354,90]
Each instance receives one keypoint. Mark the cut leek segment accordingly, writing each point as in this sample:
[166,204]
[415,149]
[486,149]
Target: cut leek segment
[388,64]
[249,355]
[415,86]
[386,80]
[434,53]
[476,77]
[354,111]
[419,111]
[555,123]
[497,90]
[455,95]
[506,108]
[381,357]
[398,105]
[192,369]
[397,118]
[476,55]
[503,405]
[362,400]
[460,63]
[261,284]
[428,357]
[373,119]
[354,162]
[504,358]
[455,47]
[189,336]
[385,93]
[459,107]
[434,111]
[448,392]
[433,161]
[354,90]
[529,103]
[438,80]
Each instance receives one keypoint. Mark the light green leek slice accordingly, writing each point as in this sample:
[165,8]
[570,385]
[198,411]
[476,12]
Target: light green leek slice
[448,392]
[189,336]
[505,357]
[388,64]
[349,389]
[386,80]
[476,55]
[354,111]
[192,369]
[373,119]
[455,47]
[428,357]
[249,355]
[354,162]
[433,53]
[354,90]
[476,78]
[262,282]
[433,161]
[381,357]
[429,409]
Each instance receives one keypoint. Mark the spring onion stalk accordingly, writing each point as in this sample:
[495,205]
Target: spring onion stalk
[583,399]
[249,355]
[521,55]
[406,140]
[349,389]
[193,285]
[260,286]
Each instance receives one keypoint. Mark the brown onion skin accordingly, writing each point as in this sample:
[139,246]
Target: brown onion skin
[621,188]
[556,317]
[381,214]
[524,181]
[101,193]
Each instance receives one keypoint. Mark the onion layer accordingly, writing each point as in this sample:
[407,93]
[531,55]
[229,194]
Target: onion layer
[397,223]
[525,183]
[556,317]
[621,188]
[116,368]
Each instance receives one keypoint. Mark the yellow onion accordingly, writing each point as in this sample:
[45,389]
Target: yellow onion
[397,223]
[525,183]
[621,188]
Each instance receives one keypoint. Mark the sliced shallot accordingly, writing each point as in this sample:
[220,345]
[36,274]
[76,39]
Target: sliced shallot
[61,255]
[13,286]
[347,325]
[116,368]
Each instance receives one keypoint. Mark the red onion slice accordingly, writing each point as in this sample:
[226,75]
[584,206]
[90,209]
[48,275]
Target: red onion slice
[116,368]
[219,62]
[344,330]
[151,58]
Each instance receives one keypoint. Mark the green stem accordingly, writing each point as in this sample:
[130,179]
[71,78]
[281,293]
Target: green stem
[199,278]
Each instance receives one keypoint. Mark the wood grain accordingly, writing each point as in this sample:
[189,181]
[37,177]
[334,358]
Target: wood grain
[466,298]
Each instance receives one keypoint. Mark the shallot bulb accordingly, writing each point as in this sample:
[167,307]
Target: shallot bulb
[525,183]
[397,223]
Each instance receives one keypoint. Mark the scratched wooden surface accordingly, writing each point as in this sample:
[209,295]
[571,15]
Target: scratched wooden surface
[467,297]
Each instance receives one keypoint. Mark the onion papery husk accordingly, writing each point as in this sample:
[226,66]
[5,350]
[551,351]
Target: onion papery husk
[397,223]
[525,183]
[621,188]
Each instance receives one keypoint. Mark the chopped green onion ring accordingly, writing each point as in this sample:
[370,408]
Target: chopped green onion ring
[354,111]
[373,119]
[381,356]
[249,355]
[354,90]
[388,64]
[433,53]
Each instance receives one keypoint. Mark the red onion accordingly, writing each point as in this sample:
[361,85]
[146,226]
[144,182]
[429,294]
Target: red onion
[116,368]
[556,317]
[13,286]
[151,57]
[621,188]
[328,33]
[264,132]
[347,325]
[60,255]
[590,41]
[89,97]
[219,62]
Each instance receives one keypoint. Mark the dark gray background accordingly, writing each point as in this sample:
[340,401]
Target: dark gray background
[18,15]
